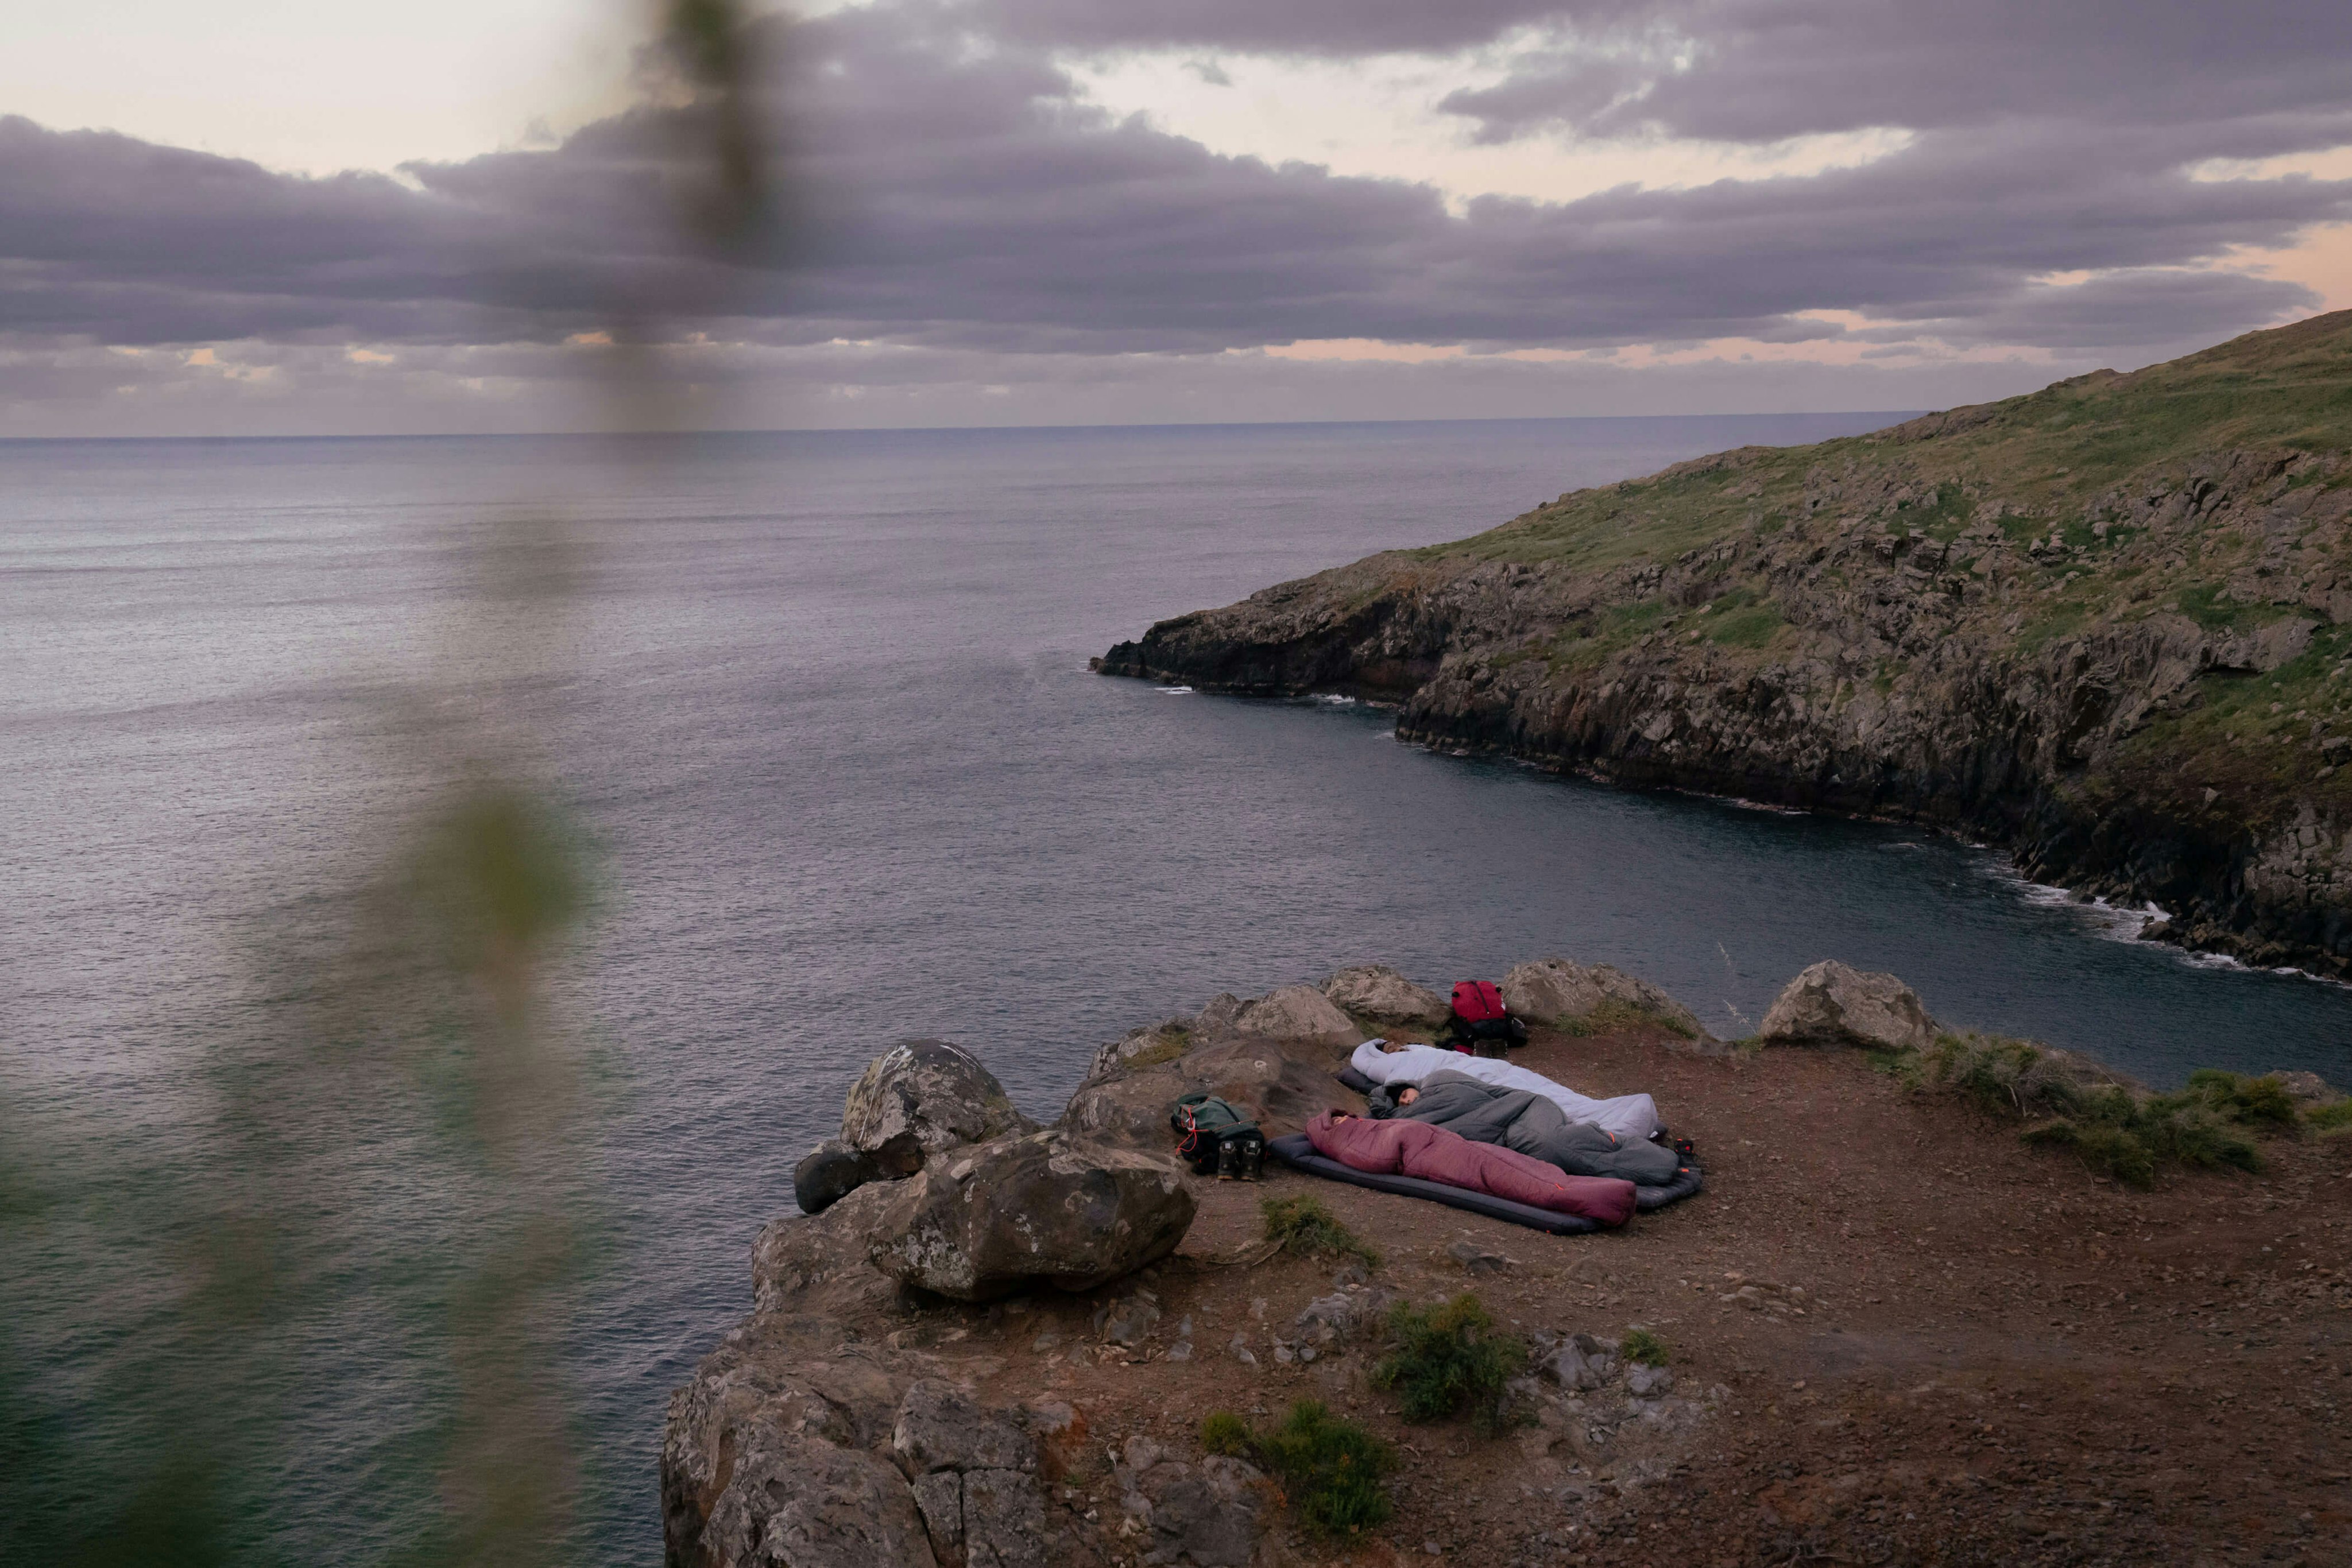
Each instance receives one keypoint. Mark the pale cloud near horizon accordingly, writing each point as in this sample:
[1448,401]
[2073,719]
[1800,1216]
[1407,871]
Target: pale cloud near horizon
[1020,211]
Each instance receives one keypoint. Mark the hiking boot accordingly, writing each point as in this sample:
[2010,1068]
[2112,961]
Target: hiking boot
[1229,1160]
[1252,1160]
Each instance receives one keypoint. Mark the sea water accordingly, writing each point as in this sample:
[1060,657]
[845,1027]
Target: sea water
[820,703]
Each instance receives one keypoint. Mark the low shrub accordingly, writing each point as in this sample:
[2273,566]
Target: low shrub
[2331,1119]
[2115,1130]
[1305,1227]
[1223,1432]
[2256,1101]
[1644,1348]
[1332,1471]
[1449,1360]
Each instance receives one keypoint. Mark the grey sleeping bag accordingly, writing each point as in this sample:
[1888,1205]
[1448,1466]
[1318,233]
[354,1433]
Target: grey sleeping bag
[1517,1119]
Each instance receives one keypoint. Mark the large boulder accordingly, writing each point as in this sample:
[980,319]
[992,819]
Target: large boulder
[914,1101]
[1832,1004]
[1563,994]
[1279,1085]
[1041,1207]
[1377,992]
[931,1090]
[1296,1012]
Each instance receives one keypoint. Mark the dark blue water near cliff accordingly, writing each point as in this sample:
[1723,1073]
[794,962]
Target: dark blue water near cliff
[823,703]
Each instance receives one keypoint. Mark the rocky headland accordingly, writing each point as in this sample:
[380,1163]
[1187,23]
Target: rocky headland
[2103,625]
[1890,1330]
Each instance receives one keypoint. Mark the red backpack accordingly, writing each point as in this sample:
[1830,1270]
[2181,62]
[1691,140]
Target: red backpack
[1477,1001]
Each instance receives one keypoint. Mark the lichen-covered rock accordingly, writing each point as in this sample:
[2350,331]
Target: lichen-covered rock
[1832,1004]
[1377,992]
[818,1252]
[931,1090]
[1041,1207]
[940,1428]
[1208,1515]
[766,1458]
[1559,992]
[1296,1012]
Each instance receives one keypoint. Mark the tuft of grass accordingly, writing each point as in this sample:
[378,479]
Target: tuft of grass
[1332,1470]
[1223,1432]
[1306,1228]
[1644,1348]
[2331,1119]
[1451,1360]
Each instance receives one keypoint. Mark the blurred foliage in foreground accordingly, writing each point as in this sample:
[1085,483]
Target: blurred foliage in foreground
[315,1313]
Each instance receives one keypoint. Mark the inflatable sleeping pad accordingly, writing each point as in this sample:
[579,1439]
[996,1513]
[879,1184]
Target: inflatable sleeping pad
[1295,1150]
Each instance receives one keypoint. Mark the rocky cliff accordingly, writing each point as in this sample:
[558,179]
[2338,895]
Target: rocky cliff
[2103,625]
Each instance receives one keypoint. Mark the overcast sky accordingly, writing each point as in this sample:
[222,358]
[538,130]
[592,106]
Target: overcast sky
[260,216]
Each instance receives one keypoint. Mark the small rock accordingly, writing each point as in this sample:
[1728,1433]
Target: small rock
[1377,992]
[1240,1351]
[1296,1012]
[1126,1323]
[1555,990]
[1648,1382]
[1476,1259]
[2304,1086]
[1181,1351]
[1832,1004]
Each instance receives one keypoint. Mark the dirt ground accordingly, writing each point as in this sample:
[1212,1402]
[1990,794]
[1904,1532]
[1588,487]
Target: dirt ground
[1932,1344]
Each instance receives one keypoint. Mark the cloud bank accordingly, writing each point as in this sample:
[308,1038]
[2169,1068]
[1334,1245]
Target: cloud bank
[960,209]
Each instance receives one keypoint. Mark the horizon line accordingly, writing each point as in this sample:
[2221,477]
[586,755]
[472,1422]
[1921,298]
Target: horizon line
[1892,414]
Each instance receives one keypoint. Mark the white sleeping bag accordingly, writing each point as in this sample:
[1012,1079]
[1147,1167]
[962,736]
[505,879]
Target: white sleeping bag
[1628,1116]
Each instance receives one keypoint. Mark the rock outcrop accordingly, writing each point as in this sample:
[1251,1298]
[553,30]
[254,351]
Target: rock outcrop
[2125,660]
[1830,1004]
[1377,992]
[916,1100]
[1203,1515]
[1041,1209]
[1564,994]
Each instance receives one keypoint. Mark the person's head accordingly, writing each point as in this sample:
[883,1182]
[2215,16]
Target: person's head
[1390,1047]
[1343,1115]
[1407,1095]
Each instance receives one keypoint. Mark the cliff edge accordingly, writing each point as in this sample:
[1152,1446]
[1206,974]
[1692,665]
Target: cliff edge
[2103,625]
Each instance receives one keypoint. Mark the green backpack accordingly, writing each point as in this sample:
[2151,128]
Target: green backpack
[1203,1123]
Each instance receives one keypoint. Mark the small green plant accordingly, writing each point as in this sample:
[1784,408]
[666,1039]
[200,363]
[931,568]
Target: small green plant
[2330,1119]
[1223,1432]
[1644,1348]
[1305,1227]
[1331,1470]
[1449,1360]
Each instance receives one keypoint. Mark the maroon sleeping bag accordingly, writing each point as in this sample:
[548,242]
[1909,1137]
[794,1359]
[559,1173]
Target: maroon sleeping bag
[1433,1153]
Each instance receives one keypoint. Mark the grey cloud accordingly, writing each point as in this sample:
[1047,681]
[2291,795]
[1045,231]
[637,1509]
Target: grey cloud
[955,194]
[1765,70]
[1324,27]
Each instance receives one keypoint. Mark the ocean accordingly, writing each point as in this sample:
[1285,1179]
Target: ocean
[818,707]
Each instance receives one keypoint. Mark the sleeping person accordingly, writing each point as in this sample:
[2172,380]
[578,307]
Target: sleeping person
[1630,1117]
[1525,1122]
[1430,1154]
